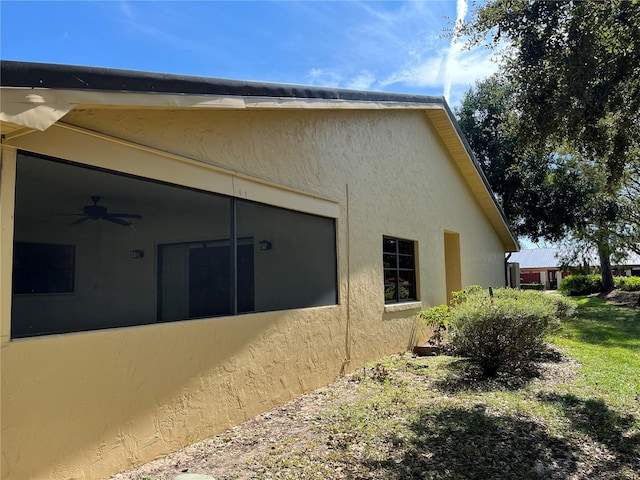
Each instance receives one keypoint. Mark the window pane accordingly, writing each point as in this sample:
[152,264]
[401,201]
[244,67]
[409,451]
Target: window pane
[389,245]
[390,260]
[405,261]
[129,251]
[405,247]
[390,293]
[390,276]
[407,292]
[294,256]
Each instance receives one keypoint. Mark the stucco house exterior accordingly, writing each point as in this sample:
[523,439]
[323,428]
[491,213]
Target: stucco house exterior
[179,254]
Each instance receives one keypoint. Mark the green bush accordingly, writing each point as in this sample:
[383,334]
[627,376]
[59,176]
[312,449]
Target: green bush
[581,285]
[628,284]
[532,286]
[505,329]
[564,307]
[437,318]
[463,295]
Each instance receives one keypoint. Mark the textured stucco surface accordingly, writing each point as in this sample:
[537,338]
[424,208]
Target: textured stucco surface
[86,405]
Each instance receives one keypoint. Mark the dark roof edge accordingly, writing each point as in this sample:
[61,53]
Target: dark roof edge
[55,76]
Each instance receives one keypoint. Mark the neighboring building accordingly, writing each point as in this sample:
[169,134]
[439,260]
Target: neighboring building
[538,265]
[542,265]
[628,266]
[179,254]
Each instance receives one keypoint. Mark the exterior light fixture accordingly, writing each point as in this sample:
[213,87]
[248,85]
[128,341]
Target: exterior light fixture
[265,245]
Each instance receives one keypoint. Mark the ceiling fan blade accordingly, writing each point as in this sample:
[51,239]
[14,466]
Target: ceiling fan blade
[125,215]
[82,220]
[63,214]
[110,218]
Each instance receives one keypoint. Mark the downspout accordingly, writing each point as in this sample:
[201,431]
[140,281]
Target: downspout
[506,269]
[347,339]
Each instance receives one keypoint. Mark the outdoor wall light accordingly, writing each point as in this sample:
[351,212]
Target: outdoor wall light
[137,253]
[265,245]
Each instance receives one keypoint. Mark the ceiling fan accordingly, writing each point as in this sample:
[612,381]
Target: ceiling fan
[98,212]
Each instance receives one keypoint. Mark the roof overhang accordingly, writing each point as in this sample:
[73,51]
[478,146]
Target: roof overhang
[34,97]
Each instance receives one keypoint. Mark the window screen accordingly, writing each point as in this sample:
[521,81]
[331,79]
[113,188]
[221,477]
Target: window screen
[99,249]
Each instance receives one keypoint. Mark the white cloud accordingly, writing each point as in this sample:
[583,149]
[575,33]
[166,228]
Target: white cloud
[401,46]
[446,71]
[428,72]
[362,81]
[326,78]
[471,65]
[461,13]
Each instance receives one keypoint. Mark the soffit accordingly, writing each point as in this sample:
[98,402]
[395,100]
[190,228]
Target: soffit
[39,108]
[11,130]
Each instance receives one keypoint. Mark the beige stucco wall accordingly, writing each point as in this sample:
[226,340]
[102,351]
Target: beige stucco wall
[86,405]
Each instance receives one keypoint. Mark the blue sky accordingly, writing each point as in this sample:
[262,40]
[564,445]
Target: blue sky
[370,45]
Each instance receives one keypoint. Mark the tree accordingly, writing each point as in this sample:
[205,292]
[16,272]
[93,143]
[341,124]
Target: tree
[575,68]
[551,194]
[630,207]
[533,187]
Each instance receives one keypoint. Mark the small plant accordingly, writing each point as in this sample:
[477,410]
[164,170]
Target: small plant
[436,318]
[532,286]
[380,373]
[390,292]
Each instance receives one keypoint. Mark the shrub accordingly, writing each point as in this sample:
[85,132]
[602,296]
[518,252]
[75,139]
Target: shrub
[506,329]
[463,295]
[564,307]
[581,284]
[628,284]
[532,286]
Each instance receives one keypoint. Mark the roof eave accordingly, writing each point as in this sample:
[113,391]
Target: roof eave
[37,95]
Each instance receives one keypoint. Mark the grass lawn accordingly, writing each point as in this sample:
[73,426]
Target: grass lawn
[606,340]
[575,416]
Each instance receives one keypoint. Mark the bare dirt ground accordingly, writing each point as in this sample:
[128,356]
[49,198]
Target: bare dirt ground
[238,452]
[622,299]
